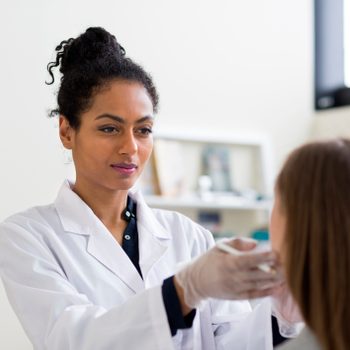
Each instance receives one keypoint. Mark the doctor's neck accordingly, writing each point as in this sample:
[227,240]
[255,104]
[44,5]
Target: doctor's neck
[106,204]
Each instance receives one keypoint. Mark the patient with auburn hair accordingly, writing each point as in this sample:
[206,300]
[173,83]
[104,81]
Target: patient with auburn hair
[310,228]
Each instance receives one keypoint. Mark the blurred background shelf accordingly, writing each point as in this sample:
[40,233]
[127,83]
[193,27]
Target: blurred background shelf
[216,203]
[242,163]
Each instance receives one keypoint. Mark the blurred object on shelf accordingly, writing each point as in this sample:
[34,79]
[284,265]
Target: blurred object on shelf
[204,187]
[211,220]
[216,165]
[261,234]
[250,193]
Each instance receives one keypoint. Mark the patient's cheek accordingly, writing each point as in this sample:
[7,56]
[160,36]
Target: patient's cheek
[277,227]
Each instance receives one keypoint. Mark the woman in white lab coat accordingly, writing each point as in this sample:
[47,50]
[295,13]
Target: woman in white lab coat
[95,269]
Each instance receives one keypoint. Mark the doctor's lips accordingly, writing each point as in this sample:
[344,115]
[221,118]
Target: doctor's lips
[125,168]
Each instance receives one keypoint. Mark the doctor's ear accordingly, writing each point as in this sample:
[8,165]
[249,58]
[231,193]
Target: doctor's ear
[66,132]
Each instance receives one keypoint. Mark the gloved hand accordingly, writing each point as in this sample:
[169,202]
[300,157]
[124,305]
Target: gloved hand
[217,274]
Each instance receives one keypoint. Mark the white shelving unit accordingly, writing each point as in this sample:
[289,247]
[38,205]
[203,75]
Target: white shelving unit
[195,202]
[239,214]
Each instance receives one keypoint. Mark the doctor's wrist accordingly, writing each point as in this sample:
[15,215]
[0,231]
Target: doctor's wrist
[181,296]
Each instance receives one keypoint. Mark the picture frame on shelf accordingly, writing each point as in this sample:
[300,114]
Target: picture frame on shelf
[170,167]
[149,182]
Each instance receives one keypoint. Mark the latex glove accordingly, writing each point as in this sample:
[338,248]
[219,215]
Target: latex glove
[286,310]
[217,274]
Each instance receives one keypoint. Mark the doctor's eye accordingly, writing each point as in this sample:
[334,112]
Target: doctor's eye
[108,129]
[145,131]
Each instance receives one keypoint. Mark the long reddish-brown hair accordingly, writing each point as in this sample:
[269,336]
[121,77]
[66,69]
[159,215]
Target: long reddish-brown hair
[314,189]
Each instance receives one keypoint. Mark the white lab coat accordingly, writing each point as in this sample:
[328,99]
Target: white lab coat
[73,287]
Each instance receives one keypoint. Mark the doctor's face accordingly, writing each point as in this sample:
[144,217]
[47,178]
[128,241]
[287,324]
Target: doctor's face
[114,140]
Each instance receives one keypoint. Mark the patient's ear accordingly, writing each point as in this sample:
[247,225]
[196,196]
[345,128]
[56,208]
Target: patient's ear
[66,132]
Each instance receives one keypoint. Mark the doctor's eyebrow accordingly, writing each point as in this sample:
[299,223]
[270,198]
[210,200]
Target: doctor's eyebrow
[121,120]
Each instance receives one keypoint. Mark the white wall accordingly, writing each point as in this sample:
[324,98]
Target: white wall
[232,65]
[334,123]
[223,65]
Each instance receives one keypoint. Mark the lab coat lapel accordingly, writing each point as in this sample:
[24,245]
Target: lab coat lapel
[107,251]
[151,249]
[153,238]
[78,218]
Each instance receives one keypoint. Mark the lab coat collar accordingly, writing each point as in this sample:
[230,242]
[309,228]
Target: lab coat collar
[77,217]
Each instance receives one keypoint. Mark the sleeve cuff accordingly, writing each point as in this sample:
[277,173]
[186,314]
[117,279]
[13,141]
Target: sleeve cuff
[173,308]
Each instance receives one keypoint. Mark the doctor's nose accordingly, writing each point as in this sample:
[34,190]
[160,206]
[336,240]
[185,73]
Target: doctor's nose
[128,144]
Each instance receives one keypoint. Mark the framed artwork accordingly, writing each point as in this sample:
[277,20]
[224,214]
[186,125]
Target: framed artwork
[169,165]
[148,181]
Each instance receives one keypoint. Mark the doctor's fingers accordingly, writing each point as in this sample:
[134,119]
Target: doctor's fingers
[242,243]
[257,275]
[244,290]
[240,284]
[249,261]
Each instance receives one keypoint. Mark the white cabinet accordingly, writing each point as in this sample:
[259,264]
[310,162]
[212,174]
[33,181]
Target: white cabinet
[180,158]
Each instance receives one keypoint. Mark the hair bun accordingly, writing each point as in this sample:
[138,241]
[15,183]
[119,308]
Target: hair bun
[93,45]
[88,62]
[90,50]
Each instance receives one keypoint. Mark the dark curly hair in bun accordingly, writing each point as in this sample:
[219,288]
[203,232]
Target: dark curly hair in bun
[88,63]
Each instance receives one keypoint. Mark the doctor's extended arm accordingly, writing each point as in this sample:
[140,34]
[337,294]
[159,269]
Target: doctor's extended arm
[56,316]
[223,276]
